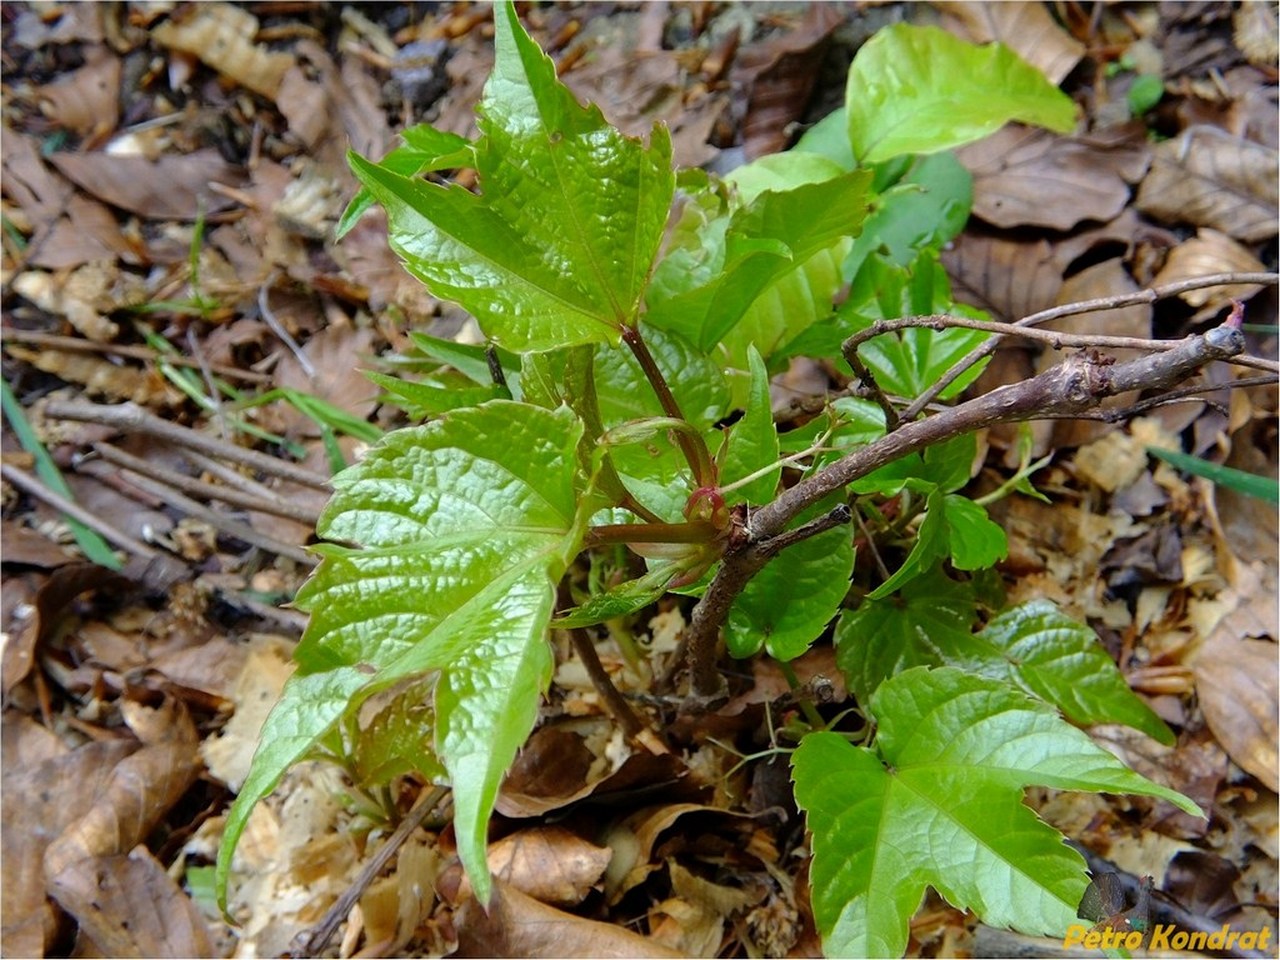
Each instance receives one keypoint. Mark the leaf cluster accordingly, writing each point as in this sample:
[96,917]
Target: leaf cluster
[629,312]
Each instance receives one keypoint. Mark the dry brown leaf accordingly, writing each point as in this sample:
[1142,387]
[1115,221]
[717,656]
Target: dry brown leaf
[101,377]
[262,676]
[170,188]
[1210,252]
[26,546]
[517,925]
[305,106]
[550,864]
[394,907]
[1026,27]
[1026,176]
[1009,279]
[222,35]
[693,920]
[142,788]
[87,100]
[1254,30]
[1209,178]
[779,75]
[128,906]
[1239,692]
[70,229]
[38,802]
[84,296]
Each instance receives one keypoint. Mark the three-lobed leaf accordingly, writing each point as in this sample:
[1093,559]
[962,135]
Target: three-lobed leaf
[465,526]
[937,801]
[919,90]
[1033,645]
[557,247]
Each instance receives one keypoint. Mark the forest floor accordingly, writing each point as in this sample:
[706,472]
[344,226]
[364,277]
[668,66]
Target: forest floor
[175,306]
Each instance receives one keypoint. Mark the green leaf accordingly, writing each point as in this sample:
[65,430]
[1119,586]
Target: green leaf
[425,149]
[931,545]
[470,360]
[761,242]
[1146,91]
[829,138]
[622,600]
[920,89]
[908,362]
[398,738]
[467,524]
[1264,488]
[813,576]
[927,208]
[975,540]
[938,802]
[753,442]
[426,399]
[557,246]
[1033,645]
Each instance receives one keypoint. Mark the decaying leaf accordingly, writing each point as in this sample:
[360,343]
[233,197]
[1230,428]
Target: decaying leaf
[172,187]
[1208,252]
[1010,279]
[1028,28]
[222,36]
[550,864]
[100,376]
[1030,176]
[517,925]
[1207,177]
[87,100]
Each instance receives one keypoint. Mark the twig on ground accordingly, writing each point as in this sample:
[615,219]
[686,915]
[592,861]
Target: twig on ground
[78,345]
[272,321]
[132,418]
[26,482]
[233,528]
[616,705]
[273,505]
[311,943]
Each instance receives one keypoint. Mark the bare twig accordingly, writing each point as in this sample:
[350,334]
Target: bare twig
[25,481]
[78,345]
[234,528]
[132,418]
[1150,295]
[614,702]
[210,491]
[1075,386]
[272,321]
[311,943]
[867,382]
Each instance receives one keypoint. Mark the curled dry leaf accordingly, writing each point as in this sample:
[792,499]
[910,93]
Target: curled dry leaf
[1209,178]
[1010,279]
[516,925]
[84,295]
[1027,176]
[550,864]
[170,188]
[1208,252]
[222,35]
[1028,28]
[87,100]
[1254,31]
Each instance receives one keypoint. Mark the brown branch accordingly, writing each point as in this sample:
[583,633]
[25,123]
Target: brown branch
[26,482]
[614,703]
[1075,386]
[1150,295]
[131,418]
[209,491]
[77,345]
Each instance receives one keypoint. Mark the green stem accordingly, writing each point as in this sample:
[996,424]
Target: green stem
[806,705]
[691,444]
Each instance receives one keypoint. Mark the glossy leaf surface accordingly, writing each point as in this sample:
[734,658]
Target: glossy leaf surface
[937,801]
[465,526]
[920,89]
[557,247]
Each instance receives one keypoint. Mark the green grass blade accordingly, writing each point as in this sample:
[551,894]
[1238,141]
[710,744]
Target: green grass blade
[1264,488]
[90,542]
